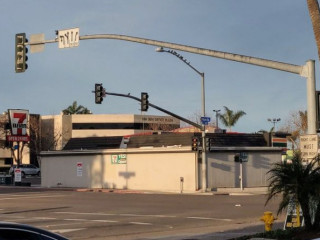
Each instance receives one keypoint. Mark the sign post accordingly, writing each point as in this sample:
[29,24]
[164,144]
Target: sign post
[19,122]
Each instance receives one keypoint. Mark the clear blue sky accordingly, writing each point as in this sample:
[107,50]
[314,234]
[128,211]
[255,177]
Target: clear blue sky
[275,30]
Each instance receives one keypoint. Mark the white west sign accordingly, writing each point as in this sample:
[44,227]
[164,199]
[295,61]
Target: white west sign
[68,38]
[309,146]
[19,120]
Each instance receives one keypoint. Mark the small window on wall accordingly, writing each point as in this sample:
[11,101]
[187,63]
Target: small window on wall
[8,161]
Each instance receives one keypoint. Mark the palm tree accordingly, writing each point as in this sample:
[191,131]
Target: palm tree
[313,7]
[300,183]
[230,118]
[75,109]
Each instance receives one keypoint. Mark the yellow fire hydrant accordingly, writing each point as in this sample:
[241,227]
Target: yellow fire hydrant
[268,220]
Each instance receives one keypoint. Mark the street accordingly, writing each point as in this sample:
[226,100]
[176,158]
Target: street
[127,215]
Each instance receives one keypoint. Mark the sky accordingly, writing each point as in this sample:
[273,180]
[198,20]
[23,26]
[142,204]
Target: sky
[274,30]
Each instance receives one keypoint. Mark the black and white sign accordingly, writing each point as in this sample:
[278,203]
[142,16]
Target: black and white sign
[68,38]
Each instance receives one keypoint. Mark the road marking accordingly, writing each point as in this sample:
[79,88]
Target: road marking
[10,216]
[75,219]
[33,196]
[142,215]
[112,214]
[67,230]
[77,213]
[60,224]
[215,219]
[140,223]
[44,218]
[145,215]
[104,221]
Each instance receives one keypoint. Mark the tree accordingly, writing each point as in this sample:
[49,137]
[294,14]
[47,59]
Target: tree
[298,183]
[75,109]
[229,118]
[297,125]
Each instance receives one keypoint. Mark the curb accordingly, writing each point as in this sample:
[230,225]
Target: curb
[216,192]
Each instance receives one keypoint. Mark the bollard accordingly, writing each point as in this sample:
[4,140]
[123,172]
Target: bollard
[268,220]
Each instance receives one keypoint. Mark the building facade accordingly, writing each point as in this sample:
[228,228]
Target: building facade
[57,130]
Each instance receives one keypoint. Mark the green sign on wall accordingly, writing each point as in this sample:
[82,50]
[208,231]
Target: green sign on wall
[119,159]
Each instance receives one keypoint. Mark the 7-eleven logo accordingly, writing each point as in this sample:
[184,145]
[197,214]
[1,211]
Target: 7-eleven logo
[19,121]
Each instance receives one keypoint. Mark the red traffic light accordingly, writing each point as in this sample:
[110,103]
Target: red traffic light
[195,144]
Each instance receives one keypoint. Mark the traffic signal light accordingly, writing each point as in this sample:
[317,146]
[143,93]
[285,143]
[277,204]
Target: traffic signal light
[99,93]
[209,143]
[195,144]
[237,157]
[144,101]
[21,57]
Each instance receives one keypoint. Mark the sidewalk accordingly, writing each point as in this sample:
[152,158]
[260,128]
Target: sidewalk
[218,191]
[245,191]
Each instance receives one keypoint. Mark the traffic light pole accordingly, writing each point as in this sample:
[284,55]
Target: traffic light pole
[158,108]
[307,71]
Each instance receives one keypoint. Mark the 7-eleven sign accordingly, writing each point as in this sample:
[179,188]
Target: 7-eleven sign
[19,120]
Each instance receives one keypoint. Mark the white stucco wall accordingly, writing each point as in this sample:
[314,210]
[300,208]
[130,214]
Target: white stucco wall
[145,169]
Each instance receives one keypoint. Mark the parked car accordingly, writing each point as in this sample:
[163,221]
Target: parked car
[26,169]
[15,231]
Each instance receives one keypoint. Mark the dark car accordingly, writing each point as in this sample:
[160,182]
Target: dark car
[15,231]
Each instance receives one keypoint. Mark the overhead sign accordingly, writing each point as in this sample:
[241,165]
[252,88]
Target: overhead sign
[309,146]
[19,120]
[205,120]
[68,38]
[119,159]
[35,43]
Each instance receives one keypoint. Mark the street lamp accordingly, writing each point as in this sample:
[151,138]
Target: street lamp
[274,121]
[203,130]
[217,114]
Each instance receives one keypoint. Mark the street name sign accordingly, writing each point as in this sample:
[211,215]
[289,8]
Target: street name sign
[309,146]
[68,38]
[205,120]
[243,156]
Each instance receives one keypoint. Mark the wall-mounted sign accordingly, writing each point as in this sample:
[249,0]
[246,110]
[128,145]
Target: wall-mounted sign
[79,169]
[119,159]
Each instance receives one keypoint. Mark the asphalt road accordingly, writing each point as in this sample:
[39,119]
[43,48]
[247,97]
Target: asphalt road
[127,215]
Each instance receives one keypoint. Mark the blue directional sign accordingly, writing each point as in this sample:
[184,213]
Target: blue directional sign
[205,120]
